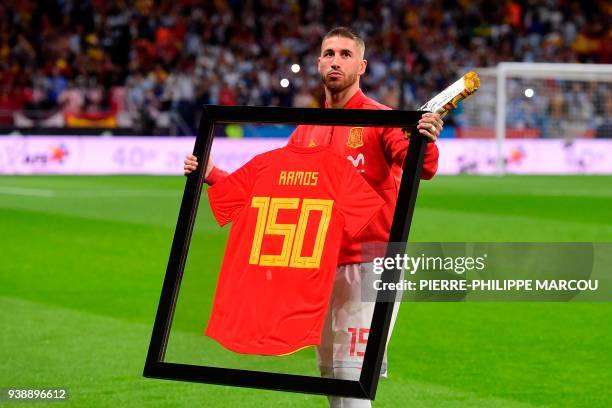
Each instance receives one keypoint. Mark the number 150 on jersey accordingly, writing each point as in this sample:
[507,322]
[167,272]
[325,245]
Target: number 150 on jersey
[293,235]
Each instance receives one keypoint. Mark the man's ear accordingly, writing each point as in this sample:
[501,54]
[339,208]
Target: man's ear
[362,66]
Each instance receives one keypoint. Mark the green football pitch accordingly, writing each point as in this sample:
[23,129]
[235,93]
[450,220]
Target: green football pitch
[83,259]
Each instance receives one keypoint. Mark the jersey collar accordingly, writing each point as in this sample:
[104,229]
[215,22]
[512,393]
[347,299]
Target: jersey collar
[356,100]
[304,149]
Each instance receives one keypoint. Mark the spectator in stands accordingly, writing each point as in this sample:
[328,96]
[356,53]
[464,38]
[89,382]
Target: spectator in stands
[232,52]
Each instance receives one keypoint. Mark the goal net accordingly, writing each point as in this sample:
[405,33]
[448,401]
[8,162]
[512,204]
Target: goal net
[539,100]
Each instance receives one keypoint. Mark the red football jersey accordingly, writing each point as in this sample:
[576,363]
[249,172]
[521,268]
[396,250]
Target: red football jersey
[289,209]
[378,154]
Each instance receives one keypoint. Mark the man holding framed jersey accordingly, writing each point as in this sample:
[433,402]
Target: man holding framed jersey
[378,155]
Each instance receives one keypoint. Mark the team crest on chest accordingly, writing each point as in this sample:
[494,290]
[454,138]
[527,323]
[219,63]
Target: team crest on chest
[355,137]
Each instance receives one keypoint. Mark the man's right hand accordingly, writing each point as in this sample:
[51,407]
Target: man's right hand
[191,164]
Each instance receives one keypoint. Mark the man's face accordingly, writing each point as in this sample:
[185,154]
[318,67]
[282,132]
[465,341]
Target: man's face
[340,63]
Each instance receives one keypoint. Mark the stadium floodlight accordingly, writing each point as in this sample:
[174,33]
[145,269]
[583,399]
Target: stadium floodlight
[365,387]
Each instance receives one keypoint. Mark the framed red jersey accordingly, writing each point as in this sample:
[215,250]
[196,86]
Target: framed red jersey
[284,216]
[289,209]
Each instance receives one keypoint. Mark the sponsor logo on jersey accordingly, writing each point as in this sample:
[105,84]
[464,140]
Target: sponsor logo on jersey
[355,137]
[356,160]
[360,159]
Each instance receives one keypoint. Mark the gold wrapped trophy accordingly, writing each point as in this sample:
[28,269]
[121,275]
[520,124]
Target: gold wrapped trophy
[448,99]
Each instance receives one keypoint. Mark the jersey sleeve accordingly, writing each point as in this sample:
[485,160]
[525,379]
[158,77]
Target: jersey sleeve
[396,147]
[357,201]
[228,196]
[215,176]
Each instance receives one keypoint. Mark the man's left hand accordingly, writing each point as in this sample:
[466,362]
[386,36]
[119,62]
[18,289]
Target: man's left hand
[430,125]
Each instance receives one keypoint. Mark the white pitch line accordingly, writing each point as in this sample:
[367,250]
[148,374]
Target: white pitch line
[125,193]
[20,191]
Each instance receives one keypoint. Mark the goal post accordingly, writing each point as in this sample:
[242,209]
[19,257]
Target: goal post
[539,100]
[570,75]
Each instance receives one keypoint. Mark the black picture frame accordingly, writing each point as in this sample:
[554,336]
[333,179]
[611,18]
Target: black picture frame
[156,367]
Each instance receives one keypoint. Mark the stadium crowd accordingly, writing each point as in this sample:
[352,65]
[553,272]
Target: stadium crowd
[151,62]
